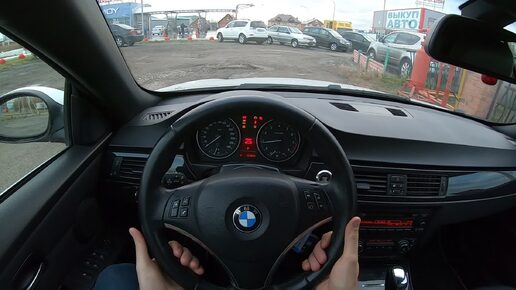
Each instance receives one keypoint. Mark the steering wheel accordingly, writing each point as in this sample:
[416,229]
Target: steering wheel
[247,216]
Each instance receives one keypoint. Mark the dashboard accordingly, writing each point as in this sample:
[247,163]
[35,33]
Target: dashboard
[416,168]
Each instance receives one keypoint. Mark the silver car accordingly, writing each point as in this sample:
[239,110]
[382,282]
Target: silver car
[289,35]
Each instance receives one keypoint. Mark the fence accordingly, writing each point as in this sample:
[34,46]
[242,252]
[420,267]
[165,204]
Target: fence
[366,63]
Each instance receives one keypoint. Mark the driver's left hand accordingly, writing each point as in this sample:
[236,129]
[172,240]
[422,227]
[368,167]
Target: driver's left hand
[150,276]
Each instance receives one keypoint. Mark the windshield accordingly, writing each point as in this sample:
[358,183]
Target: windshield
[201,45]
[295,30]
[335,33]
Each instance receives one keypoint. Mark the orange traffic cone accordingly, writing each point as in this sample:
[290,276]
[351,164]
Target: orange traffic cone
[189,38]
[2,61]
[145,39]
[21,56]
[167,38]
[211,38]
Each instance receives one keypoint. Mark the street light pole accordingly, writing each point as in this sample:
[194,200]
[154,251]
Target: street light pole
[243,6]
[143,27]
[333,19]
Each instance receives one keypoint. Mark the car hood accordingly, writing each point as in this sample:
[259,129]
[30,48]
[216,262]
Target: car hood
[220,83]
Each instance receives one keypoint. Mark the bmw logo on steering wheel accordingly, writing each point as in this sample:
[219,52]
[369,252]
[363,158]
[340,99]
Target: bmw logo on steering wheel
[247,218]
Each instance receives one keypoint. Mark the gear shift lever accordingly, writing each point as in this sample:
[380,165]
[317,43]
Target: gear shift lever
[397,279]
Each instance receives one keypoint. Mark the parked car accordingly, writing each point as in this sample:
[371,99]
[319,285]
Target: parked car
[158,30]
[244,31]
[358,40]
[125,34]
[402,46]
[329,38]
[290,35]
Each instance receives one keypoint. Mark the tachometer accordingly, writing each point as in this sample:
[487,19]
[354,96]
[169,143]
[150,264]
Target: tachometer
[278,141]
[219,139]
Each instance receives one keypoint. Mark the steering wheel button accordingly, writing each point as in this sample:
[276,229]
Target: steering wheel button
[185,201]
[322,206]
[174,211]
[310,205]
[309,197]
[183,212]
[176,203]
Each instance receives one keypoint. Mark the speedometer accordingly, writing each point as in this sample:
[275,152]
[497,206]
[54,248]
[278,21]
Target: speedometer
[219,139]
[278,141]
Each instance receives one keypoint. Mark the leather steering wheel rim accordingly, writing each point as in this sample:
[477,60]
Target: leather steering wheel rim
[152,196]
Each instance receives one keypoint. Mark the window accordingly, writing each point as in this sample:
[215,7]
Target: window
[258,24]
[231,24]
[324,32]
[407,39]
[283,30]
[390,38]
[295,30]
[273,29]
[350,36]
[25,117]
[240,23]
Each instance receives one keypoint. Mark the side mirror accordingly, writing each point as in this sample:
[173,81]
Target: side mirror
[381,39]
[33,114]
[472,44]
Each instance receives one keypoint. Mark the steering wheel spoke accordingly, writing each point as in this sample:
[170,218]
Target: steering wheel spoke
[314,204]
[179,210]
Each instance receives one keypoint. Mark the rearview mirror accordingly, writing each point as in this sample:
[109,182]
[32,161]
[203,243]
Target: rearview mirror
[473,45]
[31,115]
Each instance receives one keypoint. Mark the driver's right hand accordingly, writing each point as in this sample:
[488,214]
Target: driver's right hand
[344,274]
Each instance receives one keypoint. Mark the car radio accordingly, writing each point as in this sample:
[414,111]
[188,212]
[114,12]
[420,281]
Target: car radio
[387,234]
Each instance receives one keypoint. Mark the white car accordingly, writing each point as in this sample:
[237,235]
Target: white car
[244,31]
[402,47]
[158,29]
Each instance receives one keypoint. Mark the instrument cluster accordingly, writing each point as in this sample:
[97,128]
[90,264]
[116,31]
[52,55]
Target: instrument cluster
[252,137]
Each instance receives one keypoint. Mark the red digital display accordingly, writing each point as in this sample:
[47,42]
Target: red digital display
[249,128]
[384,223]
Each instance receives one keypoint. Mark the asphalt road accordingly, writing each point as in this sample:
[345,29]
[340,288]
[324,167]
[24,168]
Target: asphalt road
[24,126]
[16,160]
[29,73]
[158,65]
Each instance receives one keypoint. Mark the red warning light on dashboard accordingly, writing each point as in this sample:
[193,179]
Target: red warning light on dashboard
[260,118]
[248,141]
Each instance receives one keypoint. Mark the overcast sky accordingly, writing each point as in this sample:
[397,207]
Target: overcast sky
[359,12]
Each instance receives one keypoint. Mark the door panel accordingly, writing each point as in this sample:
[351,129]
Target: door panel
[40,219]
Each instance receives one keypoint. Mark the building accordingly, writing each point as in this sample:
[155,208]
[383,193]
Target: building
[313,23]
[122,13]
[286,20]
[225,20]
[417,19]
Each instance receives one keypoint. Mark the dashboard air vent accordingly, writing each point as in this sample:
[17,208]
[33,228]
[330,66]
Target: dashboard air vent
[397,112]
[130,168]
[425,185]
[372,182]
[157,116]
[345,107]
